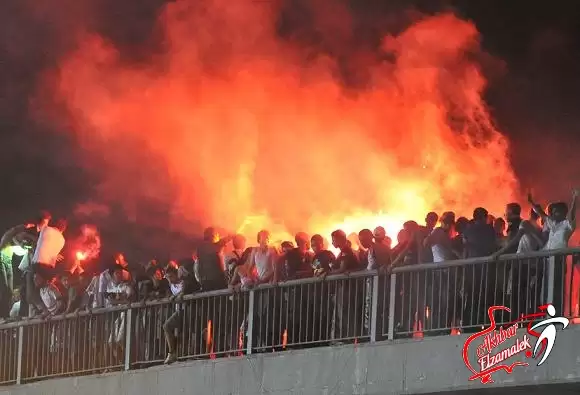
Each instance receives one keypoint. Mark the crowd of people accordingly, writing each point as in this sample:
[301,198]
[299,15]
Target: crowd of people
[51,286]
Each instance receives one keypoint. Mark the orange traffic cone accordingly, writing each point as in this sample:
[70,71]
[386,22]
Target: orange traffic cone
[209,340]
[417,329]
[240,344]
[284,339]
[455,328]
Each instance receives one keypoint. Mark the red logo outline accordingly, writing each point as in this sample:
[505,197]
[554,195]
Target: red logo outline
[485,375]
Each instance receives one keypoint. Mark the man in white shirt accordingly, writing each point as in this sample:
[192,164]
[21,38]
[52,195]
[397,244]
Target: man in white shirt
[23,236]
[50,244]
[439,240]
[179,286]
[561,224]
[46,254]
[440,282]
[49,294]
[263,258]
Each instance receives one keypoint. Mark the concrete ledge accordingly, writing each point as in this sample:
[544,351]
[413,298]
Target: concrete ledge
[405,367]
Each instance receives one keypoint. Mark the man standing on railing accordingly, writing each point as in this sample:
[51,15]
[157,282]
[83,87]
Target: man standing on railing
[561,224]
[525,238]
[382,247]
[262,263]
[321,264]
[180,286]
[373,257]
[298,261]
[440,281]
[209,272]
[47,253]
[25,236]
[298,265]
[430,222]
[344,324]
[480,241]
[439,241]
[209,268]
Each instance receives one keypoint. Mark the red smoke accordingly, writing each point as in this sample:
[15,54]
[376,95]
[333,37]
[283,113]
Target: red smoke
[231,126]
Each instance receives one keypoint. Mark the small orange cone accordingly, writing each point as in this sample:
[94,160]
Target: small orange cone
[240,344]
[455,332]
[209,340]
[284,339]
[417,330]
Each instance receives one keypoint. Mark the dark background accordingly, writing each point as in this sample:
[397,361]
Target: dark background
[533,90]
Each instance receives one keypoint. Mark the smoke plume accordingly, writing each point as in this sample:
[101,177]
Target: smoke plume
[234,123]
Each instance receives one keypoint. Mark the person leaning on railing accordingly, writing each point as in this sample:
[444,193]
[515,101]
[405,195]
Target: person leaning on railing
[180,286]
[25,236]
[46,255]
[525,236]
[560,224]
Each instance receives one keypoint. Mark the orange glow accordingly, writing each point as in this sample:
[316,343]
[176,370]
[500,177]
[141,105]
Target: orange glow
[231,126]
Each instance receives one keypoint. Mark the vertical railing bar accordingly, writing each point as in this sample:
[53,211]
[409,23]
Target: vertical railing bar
[374,307]
[391,332]
[128,332]
[550,280]
[250,329]
[19,354]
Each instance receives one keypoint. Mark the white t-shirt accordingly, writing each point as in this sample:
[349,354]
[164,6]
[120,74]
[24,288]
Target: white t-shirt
[105,281]
[50,243]
[114,288]
[93,289]
[441,245]
[50,295]
[176,288]
[527,243]
[560,233]
[371,259]
[25,262]
[264,262]
[15,310]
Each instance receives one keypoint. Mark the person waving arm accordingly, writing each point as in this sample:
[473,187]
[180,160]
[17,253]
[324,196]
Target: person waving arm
[571,217]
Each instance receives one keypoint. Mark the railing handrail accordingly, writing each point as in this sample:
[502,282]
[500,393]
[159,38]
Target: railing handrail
[199,295]
[485,259]
[286,284]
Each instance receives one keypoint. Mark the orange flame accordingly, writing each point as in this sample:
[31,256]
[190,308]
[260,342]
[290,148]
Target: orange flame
[233,127]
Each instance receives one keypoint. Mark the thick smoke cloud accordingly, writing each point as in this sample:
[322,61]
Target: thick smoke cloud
[233,123]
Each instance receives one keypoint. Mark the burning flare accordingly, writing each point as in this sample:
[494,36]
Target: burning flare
[233,126]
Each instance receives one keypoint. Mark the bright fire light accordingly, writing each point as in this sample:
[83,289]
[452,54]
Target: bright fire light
[80,255]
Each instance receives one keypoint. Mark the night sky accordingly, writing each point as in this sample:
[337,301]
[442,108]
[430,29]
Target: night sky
[533,90]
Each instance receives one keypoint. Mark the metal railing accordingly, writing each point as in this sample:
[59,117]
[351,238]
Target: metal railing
[430,299]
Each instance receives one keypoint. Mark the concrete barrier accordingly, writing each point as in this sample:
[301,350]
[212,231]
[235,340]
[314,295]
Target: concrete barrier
[403,367]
